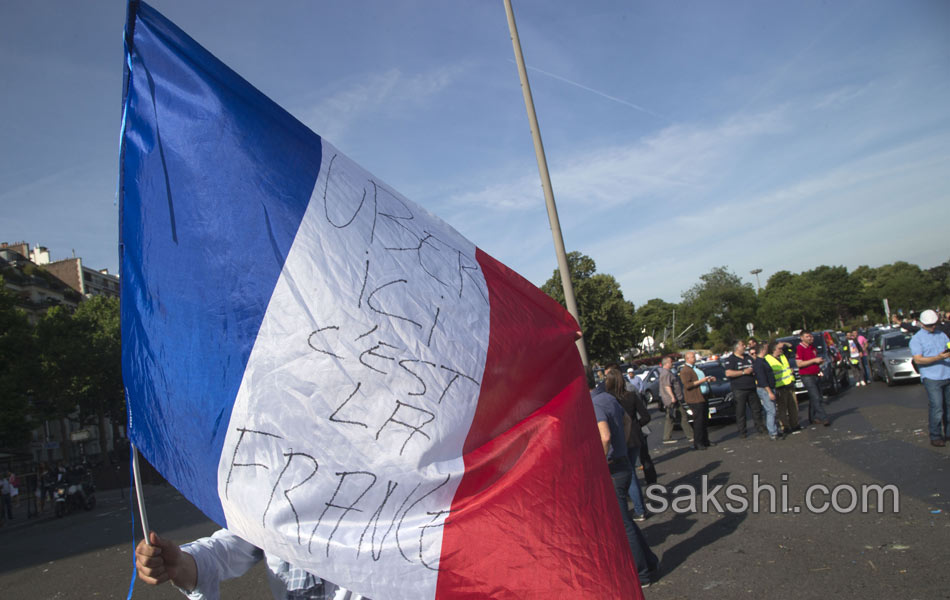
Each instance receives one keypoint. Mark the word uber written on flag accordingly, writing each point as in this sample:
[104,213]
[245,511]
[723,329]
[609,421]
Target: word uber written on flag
[334,374]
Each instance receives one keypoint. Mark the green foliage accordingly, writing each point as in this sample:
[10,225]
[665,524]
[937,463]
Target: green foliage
[652,318]
[720,302]
[66,361]
[782,303]
[16,371]
[606,318]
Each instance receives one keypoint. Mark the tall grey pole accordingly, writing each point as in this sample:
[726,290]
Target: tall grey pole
[569,299]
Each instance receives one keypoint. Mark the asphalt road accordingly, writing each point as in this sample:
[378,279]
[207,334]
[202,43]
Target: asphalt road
[878,437]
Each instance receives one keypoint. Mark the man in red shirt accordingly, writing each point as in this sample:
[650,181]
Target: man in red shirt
[809,368]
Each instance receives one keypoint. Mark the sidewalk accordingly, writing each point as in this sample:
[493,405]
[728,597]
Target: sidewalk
[27,512]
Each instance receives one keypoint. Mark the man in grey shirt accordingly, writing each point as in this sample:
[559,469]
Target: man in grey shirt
[671,393]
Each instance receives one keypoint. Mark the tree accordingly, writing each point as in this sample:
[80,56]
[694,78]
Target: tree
[905,286]
[17,373]
[653,318]
[103,396]
[606,318]
[941,275]
[59,352]
[786,303]
[720,302]
[836,294]
[81,362]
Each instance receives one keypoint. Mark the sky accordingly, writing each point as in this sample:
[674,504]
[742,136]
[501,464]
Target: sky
[680,136]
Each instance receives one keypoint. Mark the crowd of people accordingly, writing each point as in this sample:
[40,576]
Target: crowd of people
[762,381]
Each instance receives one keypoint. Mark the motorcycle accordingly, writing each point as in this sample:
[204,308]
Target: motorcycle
[74,492]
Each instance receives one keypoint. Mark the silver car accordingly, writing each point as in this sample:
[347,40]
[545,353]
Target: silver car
[891,360]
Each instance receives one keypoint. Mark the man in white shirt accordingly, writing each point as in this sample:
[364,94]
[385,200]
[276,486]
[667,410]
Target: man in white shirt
[197,569]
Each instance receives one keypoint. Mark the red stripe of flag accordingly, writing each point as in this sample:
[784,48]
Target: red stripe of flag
[535,514]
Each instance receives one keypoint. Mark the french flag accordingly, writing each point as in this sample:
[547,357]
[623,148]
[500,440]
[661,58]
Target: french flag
[333,373]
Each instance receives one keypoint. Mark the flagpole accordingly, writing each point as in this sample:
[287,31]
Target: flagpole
[569,299]
[137,477]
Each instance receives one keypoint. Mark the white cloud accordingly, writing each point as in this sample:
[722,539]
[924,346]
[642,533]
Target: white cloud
[390,91]
[677,159]
[661,211]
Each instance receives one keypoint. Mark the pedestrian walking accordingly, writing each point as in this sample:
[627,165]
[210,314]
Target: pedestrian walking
[740,374]
[931,351]
[809,369]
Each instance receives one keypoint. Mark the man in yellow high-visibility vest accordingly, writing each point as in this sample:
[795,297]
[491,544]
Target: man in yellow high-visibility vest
[785,403]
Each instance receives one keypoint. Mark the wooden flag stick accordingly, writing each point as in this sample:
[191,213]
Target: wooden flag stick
[569,299]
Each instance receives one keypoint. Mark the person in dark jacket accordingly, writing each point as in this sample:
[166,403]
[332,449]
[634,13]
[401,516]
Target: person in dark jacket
[634,407]
[610,418]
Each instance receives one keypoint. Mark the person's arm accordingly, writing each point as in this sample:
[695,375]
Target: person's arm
[198,568]
[923,361]
[811,361]
[604,435]
[689,378]
[162,560]
[670,394]
[733,373]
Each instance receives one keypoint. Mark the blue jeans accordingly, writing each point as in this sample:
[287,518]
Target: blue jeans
[938,392]
[769,407]
[867,369]
[816,404]
[636,494]
[644,558]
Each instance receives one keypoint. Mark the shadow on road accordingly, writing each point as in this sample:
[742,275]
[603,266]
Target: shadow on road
[677,555]
[107,525]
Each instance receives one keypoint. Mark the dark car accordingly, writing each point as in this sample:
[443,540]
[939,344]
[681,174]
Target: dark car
[721,403]
[834,370]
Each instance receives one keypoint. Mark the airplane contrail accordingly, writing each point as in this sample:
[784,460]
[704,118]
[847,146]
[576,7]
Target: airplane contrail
[599,93]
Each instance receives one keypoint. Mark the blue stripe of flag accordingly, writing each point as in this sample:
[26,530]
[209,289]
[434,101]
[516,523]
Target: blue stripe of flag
[216,179]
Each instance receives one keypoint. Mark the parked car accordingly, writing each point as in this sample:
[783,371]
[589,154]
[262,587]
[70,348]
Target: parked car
[891,359]
[834,370]
[722,404]
[651,385]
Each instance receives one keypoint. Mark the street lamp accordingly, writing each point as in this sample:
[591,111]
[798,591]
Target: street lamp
[756,273]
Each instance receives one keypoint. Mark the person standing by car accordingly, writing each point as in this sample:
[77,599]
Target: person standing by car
[765,388]
[809,368]
[695,385]
[742,381]
[865,346]
[671,393]
[857,356]
[931,351]
[786,406]
[634,381]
